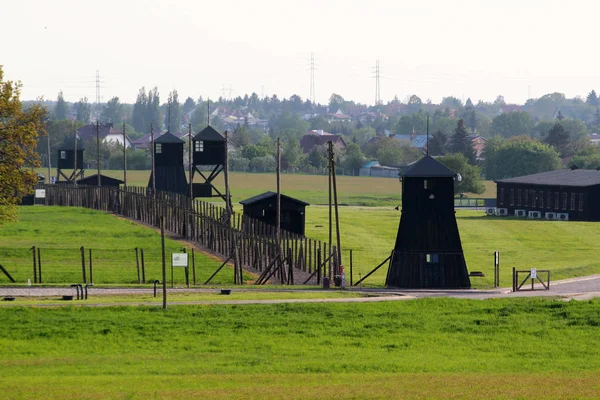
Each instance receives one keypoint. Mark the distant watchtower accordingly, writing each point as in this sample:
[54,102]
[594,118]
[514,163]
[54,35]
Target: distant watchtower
[168,164]
[70,157]
[210,150]
[428,251]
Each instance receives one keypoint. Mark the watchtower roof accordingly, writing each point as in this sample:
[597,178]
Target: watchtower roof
[168,138]
[209,134]
[428,167]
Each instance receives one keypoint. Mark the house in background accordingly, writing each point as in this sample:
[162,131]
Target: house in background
[320,138]
[478,143]
[595,138]
[106,132]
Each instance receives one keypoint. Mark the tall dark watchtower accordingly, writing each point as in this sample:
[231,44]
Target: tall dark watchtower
[210,150]
[69,153]
[168,164]
[428,251]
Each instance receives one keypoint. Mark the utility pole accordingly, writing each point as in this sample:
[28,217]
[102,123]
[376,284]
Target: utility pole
[226,177]
[191,173]
[98,150]
[312,78]
[124,158]
[278,175]
[329,165]
[164,264]
[49,161]
[75,156]
[153,163]
[337,216]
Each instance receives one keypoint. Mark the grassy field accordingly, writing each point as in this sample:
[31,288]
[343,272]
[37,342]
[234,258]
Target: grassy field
[437,348]
[60,232]
[568,249]
[352,190]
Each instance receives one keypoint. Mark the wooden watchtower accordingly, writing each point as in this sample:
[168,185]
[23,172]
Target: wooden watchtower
[210,150]
[70,157]
[428,251]
[168,164]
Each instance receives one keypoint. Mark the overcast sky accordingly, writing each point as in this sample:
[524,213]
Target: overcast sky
[436,48]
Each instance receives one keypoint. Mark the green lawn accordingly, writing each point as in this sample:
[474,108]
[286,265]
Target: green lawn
[568,249]
[60,232]
[352,190]
[437,348]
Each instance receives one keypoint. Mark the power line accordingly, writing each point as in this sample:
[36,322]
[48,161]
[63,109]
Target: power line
[377,85]
[312,78]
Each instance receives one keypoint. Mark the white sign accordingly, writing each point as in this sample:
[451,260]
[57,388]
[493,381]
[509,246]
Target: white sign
[179,259]
[40,193]
[533,273]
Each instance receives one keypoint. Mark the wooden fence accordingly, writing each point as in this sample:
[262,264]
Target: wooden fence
[247,242]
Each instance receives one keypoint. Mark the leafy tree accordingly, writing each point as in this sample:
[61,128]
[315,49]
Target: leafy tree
[189,105]
[414,100]
[461,143]
[353,158]
[237,162]
[437,143]
[60,109]
[451,102]
[492,145]
[287,124]
[241,136]
[291,154]
[407,124]
[512,124]
[335,102]
[263,164]
[153,110]
[499,101]
[592,98]
[252,151]
[317,157]
[138,118]
[84,110]
[112,111]
[392,152]
[174,112]
[470,181]
[520,155]
[559,139]
[19,132]
[588,157]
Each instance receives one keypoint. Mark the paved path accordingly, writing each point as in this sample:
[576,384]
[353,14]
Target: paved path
[578,288]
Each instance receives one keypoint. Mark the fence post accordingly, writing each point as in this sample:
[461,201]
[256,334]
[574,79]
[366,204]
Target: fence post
[83,264]
[350,267]
[39,259]
[137,263]
[514,279]
[34,264]
[91,267]
[143,266]
[193,267]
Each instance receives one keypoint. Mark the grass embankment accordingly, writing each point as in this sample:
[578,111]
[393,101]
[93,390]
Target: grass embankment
[60,232]
[186,297]
[352,190]
[568,249]
[437,348]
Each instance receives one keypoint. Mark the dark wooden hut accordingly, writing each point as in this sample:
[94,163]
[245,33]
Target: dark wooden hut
[104,181]
[264,208]
[210,150]
[66,160]
[569,194]
[168,164]
[428,251]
